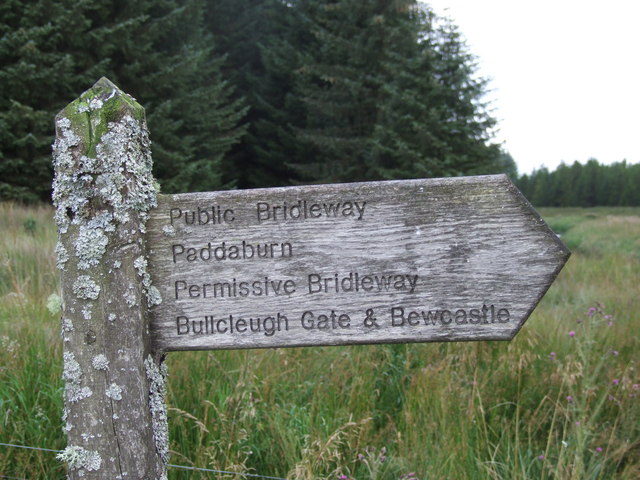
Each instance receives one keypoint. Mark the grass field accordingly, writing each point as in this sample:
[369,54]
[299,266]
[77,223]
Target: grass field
[561,401]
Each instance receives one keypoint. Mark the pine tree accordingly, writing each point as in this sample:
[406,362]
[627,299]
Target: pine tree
[507,165]
[465,124]
[390,92]
[341,83]
[541,190]
[352,90]
[523,183]
[154,50]
[39,70]
[586,185]
[587,182]
[261,39]
[433,121]
[630,193]
[619,175]
[563,179]
[406,139]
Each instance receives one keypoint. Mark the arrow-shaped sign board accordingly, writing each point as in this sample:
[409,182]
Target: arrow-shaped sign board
[450,259]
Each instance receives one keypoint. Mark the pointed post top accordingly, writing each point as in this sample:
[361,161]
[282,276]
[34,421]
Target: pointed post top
[102,140]
[90,114]
[104,82]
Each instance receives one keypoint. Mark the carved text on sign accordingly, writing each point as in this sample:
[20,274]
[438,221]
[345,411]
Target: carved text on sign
[404,261]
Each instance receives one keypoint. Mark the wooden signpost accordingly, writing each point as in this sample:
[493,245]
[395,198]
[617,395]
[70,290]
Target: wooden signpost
[383,262]
[451,259]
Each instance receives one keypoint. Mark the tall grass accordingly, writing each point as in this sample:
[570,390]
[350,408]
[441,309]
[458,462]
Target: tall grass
[30,349]
[562,400]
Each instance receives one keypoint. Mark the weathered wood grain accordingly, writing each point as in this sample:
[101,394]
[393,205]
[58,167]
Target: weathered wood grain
[456,259]
[115,418]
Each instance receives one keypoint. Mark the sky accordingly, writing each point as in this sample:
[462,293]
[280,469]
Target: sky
[564,76]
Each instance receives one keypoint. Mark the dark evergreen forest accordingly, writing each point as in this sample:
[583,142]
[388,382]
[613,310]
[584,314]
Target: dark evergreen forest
[588,185]
[254,93]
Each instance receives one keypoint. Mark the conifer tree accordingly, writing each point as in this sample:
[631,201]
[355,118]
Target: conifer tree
[154,50]
[589,185]
[341,83]
[39,70]
[466,124]
[390,92]
[262,40]
[432,121]
[352,90]
[541,190]
[630,193]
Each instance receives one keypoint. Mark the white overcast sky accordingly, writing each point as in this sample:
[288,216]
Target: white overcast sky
[564,75]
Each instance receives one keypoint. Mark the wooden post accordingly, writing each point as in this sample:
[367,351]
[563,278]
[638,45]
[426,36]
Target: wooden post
[115,413]
[384,262]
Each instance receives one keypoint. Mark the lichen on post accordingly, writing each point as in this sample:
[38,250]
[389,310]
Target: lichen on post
[103,190]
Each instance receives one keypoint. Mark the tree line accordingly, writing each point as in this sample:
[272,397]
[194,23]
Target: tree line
[588,185]
[250,93]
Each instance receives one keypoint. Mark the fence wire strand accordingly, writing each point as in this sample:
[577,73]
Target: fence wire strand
[183,467]
[29,448]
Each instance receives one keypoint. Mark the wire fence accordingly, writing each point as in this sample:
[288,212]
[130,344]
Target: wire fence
[181,467]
